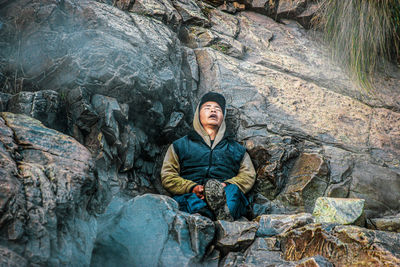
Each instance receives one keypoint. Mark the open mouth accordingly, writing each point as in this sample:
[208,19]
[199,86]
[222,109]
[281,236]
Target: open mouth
[213,117]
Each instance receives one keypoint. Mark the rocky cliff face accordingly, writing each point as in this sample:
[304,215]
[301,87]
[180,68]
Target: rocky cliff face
[105,87]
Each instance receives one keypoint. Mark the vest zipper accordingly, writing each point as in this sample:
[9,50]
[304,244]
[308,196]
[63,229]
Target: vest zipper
[209,164]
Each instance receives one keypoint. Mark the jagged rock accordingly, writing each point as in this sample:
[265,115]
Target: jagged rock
[224,23]
[80,110]
[266,7]
[42,105]
[235,236]
[387,223]
[339,210]
[150,223]
[197,37]
[307,181]
[270,225]
[289,8]
[341,163]
[10,258]
[300,10]
[48,175]
[271,156]
[158,9]
[342,245]
[111,113]
[191,12]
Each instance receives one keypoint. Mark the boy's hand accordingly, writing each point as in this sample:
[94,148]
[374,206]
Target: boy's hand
[199,191]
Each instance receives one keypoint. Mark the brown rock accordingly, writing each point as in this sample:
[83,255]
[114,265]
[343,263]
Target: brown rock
[342,245]
[307,181]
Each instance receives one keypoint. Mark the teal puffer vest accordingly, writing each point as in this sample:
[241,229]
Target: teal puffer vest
[199,163]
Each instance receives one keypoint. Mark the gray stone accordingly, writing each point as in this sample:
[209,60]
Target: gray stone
[379,186]
[339,210]
[341,163]
[150,223]
[387,223]
[235,236]
[271,225]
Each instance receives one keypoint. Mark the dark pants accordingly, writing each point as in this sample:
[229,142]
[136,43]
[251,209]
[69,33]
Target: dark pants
[235,199]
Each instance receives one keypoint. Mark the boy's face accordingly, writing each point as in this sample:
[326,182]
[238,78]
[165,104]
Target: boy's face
[211,114]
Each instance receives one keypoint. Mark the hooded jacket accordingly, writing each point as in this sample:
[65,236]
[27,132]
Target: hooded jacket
[193,159]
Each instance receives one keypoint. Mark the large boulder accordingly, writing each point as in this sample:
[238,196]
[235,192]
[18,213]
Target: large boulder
[150,231]
[134,58]
[44,194]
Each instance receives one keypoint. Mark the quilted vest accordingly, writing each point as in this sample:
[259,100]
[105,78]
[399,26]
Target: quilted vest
[198,162]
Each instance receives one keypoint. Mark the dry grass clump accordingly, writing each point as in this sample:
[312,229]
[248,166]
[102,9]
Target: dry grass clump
[362,34]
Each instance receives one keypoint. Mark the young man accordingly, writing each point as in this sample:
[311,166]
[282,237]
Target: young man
[207,171]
